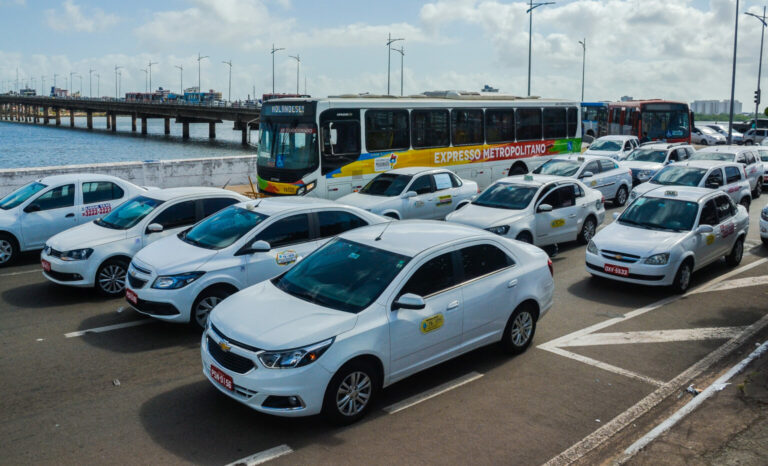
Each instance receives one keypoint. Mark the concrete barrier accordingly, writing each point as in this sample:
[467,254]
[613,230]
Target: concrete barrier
[212,171]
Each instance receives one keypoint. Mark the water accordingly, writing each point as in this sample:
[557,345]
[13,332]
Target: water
[31,145]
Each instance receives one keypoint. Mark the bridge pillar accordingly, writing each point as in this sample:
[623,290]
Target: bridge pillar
[89,119]
[35,115]
[185,130]
[71,118]
[133,123]
[167,126]
[143,126]
[57,111]
[212,130]
[27,113]
[109,121]
[114,122]
[46,117]
[244,138]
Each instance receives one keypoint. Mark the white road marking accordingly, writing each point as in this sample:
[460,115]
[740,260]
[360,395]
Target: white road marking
[655,336]
[736,283]
[108,328]
[431,393]
[10,274]
[607,367]
[263,456]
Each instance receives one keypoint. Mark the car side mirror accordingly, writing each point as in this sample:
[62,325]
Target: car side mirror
[259,246]
[409,194]
[545,208]
[705,229]
[32,208]
[616,215]
[409,301]
[587,175]
[154,228]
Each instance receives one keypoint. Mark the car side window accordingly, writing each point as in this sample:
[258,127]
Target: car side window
[335,222]
[627,145]
[455,181]
[100,191]
[56,198]
[289,230]
[442,181]
[422,185]
[741,158]
[215,204]
[681,154]
[709,214]
[689,151]
[591,167]
[177,215]
[578,191]
[732,174]
[673,157]
[434,276]
[606,165]
[723,204]
[715,178]
[483,259]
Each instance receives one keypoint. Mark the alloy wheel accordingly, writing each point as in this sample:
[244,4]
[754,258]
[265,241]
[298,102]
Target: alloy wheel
[354,393]
[112,279]
[522,328]
[621,198]
[204,308]
[685,277]
[6,251]
[588,230]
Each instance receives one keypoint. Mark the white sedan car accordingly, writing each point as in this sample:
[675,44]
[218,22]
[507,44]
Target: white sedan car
[616,147]
[415,192]
[98,253]
[182,277]
[369,308]
[597,172]
[537,209]
[40,209]
[666,235]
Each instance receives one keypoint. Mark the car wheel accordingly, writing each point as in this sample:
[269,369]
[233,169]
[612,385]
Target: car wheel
[765,241]
[758,189]
[351,392]
[587,230]
[519,331]
[734,257]
[621,196]
[745,202]
[683,277]
[9,249]
[204,304]
[525,237]
[704,142]
[110,278]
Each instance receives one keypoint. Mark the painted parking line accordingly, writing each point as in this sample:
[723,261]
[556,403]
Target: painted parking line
[655,336]
[735,283]
[11,274]
[108,328]
[263,456]
[431,393]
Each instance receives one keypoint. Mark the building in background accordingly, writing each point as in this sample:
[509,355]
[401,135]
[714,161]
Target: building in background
[28,92]
[626,98]
[715,107]
[58,92]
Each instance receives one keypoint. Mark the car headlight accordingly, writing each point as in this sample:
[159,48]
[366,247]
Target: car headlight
[632,195]
[76,254]
[644,174]
[592,247]
[658,259]
[174,282]
[303,190]
[499,230]
[296,357]
[764,214]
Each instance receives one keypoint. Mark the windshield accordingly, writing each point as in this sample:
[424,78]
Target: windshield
[342,275]
[386,184]
[507,196]
[763,155]
[288,145]
[129,214]
[222,228]
[722,156]
[707,130]
[660,214]
[665,121]
[679,176]
[648,155]
[20,195]
[558,167]
[605,145]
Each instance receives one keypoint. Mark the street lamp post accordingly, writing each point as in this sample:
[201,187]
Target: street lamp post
[54,80]
[298,67]
[760,64]
[390,40]
[120,81]
[98,83]
[181,78]
[90,83]
[42,84]
[199,86]
[146,74]
[80,89]
[401,51]
[116,68]
[273,65]
[583,64]
[150,73]
[229,92]
[733,73]
[532,6]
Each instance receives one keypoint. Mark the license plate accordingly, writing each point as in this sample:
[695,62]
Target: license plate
[616,270]
[131,297]
[223,379]
[46,265]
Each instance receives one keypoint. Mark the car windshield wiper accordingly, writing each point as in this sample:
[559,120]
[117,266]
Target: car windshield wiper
[103,223]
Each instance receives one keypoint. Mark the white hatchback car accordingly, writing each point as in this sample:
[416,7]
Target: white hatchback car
[651,157]
[182,277]
[748,157]
[616,147]
[537,209]
[369,308]
[40,209]
[597,172]
[666,235]
[413,193]
[98,253]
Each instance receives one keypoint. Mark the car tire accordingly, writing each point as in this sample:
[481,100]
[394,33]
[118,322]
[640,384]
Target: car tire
[704,142]
[737,252]
[588,230]
[204,304]
[621,197]
[520,330]
[9,249]
[745,201]
[110,278]
[765,241]
[758,189]
[525,237]
[351,392]
[683,277]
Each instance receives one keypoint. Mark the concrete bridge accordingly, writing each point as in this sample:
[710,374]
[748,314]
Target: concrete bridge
[42,109]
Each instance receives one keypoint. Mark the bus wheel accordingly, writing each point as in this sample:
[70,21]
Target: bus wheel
[518,169]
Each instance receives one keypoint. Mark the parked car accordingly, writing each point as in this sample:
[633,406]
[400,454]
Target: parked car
[748,157]
[706,136]
[616,147]
[30,215]
[736,136]
[763,153]
[597,172]
[651,157]
[755,136]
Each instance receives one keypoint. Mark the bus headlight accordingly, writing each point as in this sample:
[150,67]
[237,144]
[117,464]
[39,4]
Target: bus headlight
[303,190]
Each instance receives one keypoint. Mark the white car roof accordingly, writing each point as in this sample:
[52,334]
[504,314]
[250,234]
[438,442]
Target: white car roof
[174,193]
[584,157]
[682,193]
[537,180]
[416,170]
[74,177]
[615,137]
[410,237]
[276,205]
[729,149]
[705,164]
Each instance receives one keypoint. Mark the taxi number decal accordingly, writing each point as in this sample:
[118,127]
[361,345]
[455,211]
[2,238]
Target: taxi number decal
[733,189]
[432,323]
[418,204]
[443,200]
[558,223]
[710,239]
[286,257]
[100,209]
[727,229]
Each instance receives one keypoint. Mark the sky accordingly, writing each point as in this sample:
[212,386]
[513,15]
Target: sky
[672,49]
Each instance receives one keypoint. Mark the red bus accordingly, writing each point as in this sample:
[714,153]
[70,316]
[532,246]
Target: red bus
[651,120]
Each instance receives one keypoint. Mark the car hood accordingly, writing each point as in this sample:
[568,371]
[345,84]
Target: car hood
[643,188]
[637,241]
[85,236]
[604,153]
[171,255]
[638,165]
[267,318]
[365,201]
[484,217]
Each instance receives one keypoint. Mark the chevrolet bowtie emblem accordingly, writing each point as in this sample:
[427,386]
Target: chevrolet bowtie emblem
[224,346]
[618,257]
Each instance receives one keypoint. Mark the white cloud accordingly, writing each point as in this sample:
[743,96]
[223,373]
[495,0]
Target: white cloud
[72,18]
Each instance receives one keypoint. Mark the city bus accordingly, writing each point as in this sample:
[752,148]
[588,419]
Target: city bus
[594,119]
[651,120]
[329,147]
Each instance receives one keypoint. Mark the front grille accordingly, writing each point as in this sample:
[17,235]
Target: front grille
[64,277]
[155,308]
[634,276]
[627,258]
[228,359]
[237,343]
[141,269]
[136,283]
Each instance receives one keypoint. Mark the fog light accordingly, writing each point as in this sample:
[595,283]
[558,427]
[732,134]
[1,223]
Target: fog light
[283,402]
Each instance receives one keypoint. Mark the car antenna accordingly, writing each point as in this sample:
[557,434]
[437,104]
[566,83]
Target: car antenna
[378,238]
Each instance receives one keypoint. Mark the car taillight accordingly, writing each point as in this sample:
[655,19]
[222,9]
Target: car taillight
[602,201]
[551,268]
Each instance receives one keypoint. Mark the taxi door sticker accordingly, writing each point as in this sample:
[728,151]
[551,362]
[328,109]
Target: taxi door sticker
[593,183]
[99,209]
[727,229]
[286,257]
[710,239]
[418,204]
[444,200]
[558,223]
[432,323]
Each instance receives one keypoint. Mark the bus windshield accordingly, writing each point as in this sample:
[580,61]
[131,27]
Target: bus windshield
[288,145]
[665,121]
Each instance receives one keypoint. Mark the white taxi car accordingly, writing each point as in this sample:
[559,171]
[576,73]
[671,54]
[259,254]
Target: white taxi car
[40,209]
[666,235]
[748,157]
[98,253]
[537,209]
[182,277]
[597,172]
[369,308]
[616,146]
[414,192]
[651,157]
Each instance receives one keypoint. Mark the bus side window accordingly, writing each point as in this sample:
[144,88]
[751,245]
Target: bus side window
[528,124]
[573,120]
[499,125]
[429,128]
[387,130]
[466,126]
[554,123]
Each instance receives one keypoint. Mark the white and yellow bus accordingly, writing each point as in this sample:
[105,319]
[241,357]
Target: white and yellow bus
[332,146]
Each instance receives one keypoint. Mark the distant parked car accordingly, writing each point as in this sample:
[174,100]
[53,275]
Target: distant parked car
[736,136]
[755,136]
[600,173]
[651,157]
[706,136]
[616,147]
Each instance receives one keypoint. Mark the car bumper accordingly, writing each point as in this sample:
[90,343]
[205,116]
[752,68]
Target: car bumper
[255,386]
[166,305]
[641,274]
[70,273]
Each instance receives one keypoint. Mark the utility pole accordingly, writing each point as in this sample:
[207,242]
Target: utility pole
[54,81]
[760,64]
[181,78]
[583,64]
[229,93]
[390,40]
[98,84]
[401,51]
[532,6]
[90,83]
[273,65]
[71,82]
[120,85]
[733,74]
[298,67]
[116,68]
[199,87]
[150,73]
[146,74]
[80,90]
[42,84]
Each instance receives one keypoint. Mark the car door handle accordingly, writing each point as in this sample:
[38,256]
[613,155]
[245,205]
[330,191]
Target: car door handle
[572,216]
[452,305]
[512,283]
[69,215]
